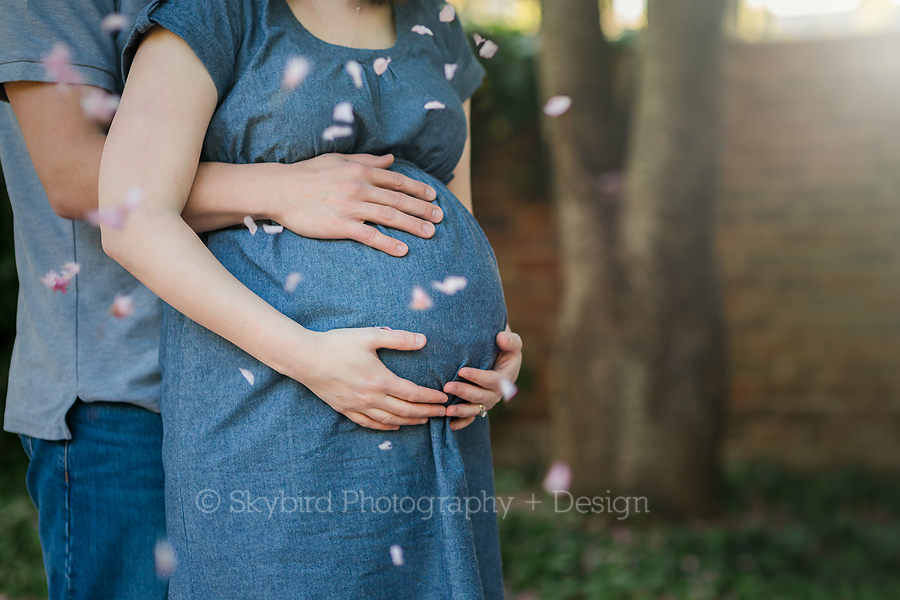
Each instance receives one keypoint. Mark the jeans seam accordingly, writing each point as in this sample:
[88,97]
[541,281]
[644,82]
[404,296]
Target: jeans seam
[68,521]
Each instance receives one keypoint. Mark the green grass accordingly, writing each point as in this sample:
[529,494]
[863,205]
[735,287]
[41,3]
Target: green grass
[782,535]
[21,566]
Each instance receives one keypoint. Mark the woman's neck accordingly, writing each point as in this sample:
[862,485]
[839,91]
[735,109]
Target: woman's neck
[339,22]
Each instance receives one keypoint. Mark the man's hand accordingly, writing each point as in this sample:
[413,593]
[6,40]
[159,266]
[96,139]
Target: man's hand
[333,195]
[485,387]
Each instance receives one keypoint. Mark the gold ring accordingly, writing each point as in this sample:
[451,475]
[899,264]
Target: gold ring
[483,412]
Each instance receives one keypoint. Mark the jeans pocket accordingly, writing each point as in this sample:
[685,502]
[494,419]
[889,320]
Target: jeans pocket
[27,442]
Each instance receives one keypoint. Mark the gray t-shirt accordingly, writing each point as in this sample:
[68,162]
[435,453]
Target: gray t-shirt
[68,345]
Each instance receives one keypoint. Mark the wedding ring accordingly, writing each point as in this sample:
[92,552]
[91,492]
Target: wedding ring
[483,412]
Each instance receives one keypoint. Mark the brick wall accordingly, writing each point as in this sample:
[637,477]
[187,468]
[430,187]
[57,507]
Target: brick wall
[809,240]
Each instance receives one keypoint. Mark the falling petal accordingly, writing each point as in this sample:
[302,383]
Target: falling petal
[450,71]
[447,14]
[116,216]
[397,555]
[55,282]
[114,22]
[508,388]
[434,104]
[420,299]
[250,377]
[166,562]
[343,112]
[478,39]
[70,269]
[422,30]
[336,131]
[293,280]
[295,71]
[355,72]
[122,306]
[557,105]
[251,224]
[385,445]
[450,285]
[58,65]
[488,49]
[558,478]
[273,229]
[99,105]
[381,65]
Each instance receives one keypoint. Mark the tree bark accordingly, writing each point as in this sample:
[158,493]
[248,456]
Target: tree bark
[639,369]
[576,61]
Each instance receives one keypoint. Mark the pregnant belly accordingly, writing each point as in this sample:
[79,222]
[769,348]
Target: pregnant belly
[346,284]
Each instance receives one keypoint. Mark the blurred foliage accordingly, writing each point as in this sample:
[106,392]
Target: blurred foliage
[785,535]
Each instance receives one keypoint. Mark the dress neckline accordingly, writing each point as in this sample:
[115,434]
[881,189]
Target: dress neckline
[365,54]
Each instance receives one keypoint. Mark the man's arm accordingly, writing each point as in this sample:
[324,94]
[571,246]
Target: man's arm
[328,197]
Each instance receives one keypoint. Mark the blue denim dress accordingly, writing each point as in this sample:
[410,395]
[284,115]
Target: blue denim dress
[271,493]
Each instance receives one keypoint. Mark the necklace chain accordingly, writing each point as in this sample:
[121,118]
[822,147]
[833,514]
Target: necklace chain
[352,34]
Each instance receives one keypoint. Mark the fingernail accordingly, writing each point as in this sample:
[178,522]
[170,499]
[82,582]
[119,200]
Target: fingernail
[420,339]
[401,248]
[436,213]
[430,192]
[428,228]
[422,421]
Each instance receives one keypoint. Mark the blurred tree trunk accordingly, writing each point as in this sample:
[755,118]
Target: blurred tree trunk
[576,61]
[639,368]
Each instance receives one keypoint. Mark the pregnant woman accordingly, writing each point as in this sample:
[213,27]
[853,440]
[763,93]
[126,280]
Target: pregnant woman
[278,485]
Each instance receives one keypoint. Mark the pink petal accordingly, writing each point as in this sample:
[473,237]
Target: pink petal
[114,22]
[292,281]
[450,71]
[488,49]
[557,105]
[164,556]
[434,104]
[251,224]
[385,445]
[420,299]
[133,198]
[336,131]
[355,72]
[273,229]
[122,306]
[381,65]
[251,379]
[422,30]
[70,270]
[58,65]
[450,285]
[559,477]
[508,388]
[295,71]
[99,106]
[116,216]
[447,14]
[397,555]
[55,282]
[478,39]
[343,112]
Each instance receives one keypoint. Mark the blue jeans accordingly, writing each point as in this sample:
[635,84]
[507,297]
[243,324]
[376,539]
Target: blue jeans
[101,503]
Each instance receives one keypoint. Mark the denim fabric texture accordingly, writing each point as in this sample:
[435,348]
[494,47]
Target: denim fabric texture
[270,493]
[100,497]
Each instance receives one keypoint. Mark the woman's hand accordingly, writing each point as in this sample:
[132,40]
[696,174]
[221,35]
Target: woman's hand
[485,387]
[330,197]
[344,370]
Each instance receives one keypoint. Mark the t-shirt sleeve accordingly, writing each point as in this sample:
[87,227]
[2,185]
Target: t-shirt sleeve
[469,72]
[213,29]
[29,30]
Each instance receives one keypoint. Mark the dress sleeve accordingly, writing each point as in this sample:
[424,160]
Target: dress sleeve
[29,30]
[469,72]
[214,30]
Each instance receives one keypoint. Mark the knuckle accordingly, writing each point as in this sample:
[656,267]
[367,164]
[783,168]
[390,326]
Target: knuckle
[397,199]
[396,180]
[368,234]
[387,213]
